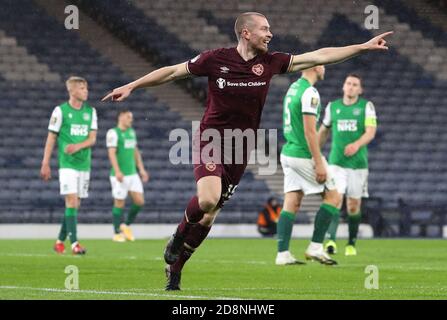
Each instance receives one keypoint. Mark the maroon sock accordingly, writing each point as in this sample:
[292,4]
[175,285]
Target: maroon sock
[193,214]
[193,211]
[195,237]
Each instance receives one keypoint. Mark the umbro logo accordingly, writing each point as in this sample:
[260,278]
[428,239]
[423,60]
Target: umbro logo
[224,69]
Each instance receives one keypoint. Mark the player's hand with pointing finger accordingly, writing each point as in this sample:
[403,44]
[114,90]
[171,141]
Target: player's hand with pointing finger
[118,94]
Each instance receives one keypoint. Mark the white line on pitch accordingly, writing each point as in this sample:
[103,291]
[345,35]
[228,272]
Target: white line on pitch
[118,293]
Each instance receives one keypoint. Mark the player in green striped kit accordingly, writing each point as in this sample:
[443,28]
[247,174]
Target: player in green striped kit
[73,125]
[305,169]
[125,158]
[353,122]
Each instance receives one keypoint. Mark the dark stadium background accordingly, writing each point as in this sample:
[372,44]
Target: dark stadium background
[121,40]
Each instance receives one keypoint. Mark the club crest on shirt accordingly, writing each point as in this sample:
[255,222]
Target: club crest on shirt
[356,111]
[86,117]
[258,69]
[210,166]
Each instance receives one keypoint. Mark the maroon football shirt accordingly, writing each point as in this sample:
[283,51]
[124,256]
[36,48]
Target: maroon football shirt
[237,89]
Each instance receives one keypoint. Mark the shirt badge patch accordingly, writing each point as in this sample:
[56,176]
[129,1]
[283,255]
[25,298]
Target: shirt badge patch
[258,69]
[314,102]
[210,166]
[356,111]
[86,117]
[53,120]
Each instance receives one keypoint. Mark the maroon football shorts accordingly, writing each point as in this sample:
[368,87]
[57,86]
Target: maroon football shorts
[230,174]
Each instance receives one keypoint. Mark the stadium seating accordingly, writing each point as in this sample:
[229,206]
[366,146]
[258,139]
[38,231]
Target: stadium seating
[407,159]
[30,100]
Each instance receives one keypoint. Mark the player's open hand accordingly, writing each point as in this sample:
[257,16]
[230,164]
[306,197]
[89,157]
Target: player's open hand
[351,149]
[118,94]
[378,42]
[45,172]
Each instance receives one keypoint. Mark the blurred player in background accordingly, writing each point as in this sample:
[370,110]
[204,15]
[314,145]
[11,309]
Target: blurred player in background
[353,123]
[73,125]
[238,82]
[305,169]
[125,158]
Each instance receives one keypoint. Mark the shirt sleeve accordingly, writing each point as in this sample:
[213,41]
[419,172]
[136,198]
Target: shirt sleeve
[112,139]
[327,121]
[370,115]
[94,125]
[56,120]
[310,101]
[280,62]
[200,65]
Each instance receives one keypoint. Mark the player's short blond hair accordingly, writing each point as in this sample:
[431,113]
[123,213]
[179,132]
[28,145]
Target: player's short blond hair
[243,21]
[74,80]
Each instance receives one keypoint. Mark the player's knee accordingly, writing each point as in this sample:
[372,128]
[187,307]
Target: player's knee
[353,207]
[208,219]
[72,202]
[333,198]
[118,203]
[139,202]
[208,203]
[292,205]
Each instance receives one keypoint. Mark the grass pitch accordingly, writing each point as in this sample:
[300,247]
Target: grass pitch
[223,269]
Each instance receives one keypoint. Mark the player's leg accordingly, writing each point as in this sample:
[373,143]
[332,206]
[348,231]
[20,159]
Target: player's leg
[82,183]
[357,188]
[209,190]
[294,183]
[292,203]
[68,180]
[193,229]
[71,220]
[117,217]
[196,235]
[341,179]
[323,218]
[119,193]
[354,216]
[137,196]
[135,208]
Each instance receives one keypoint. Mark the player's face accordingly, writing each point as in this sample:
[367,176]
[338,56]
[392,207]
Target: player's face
[79,91]
[352,87]
[260,34]
[126,119]
[321,70]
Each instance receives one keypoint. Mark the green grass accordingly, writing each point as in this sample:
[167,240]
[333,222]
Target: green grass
[223,268]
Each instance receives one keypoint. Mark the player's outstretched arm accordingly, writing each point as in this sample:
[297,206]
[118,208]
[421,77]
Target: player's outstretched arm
[335,55]
[45,170]
[155,78]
